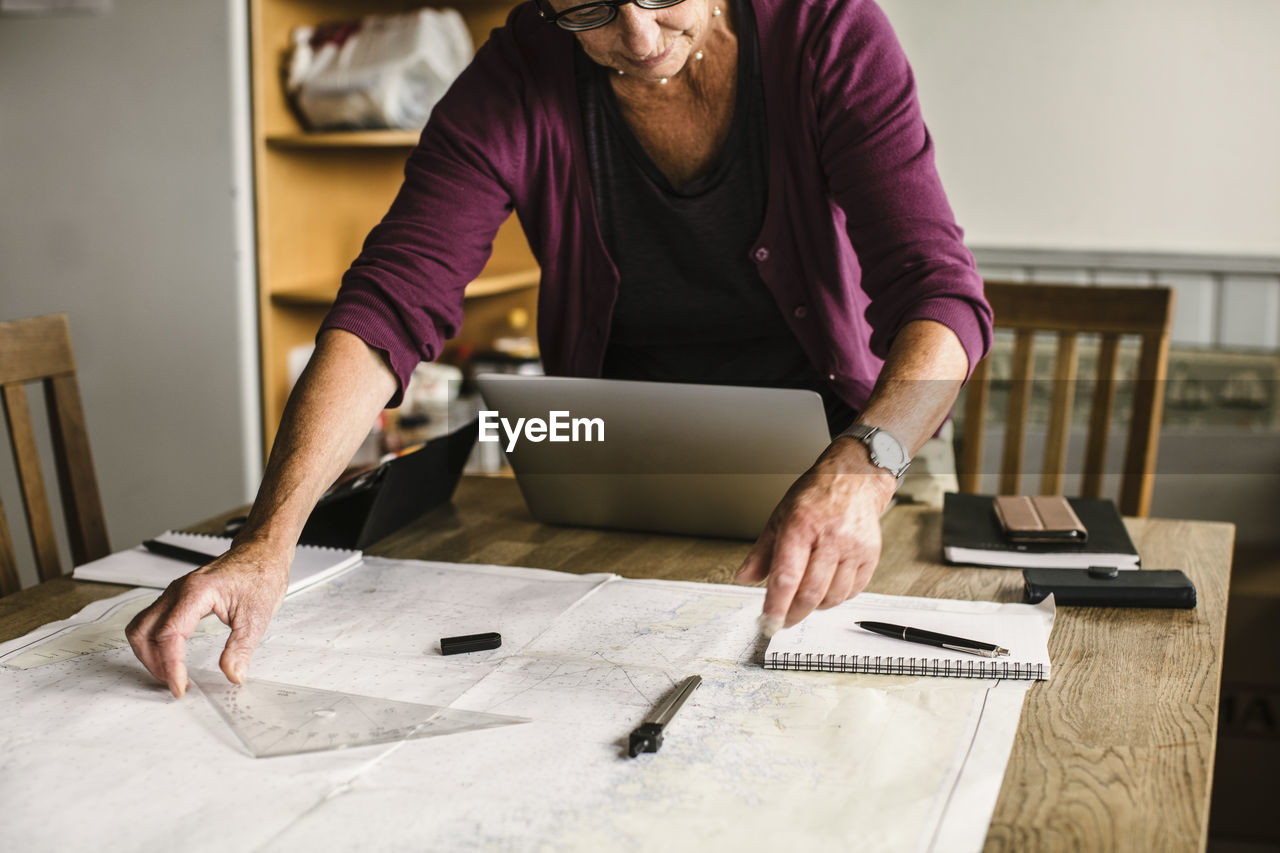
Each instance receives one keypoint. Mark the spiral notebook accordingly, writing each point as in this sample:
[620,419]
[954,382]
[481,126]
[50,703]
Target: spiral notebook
[829,641]
[139,567]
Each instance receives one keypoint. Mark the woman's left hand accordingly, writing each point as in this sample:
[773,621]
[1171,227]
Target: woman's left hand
[822,542]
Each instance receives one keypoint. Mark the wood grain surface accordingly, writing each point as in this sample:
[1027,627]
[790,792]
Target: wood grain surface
[1115,752]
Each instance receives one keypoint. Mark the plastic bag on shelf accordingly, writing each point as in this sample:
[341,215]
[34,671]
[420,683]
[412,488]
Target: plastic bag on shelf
[383,71]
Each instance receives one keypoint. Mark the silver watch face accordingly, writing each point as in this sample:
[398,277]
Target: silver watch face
[886,451]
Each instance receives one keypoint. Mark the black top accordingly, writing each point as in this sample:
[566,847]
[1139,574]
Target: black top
[691,306]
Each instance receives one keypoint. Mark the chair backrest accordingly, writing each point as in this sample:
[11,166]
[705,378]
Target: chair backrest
[39,350]
[1069,311]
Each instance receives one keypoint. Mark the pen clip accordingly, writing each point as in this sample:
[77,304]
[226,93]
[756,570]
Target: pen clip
[986,653]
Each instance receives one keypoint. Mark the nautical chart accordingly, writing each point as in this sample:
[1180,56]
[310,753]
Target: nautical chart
[100,628]
[755,760]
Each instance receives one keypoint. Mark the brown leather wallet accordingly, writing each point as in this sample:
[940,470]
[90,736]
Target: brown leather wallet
[1042,518]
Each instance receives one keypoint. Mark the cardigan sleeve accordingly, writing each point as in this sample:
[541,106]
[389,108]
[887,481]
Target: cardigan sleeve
[878,159]
[403,295]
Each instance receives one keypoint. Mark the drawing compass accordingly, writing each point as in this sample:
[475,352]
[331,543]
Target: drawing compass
[648,735]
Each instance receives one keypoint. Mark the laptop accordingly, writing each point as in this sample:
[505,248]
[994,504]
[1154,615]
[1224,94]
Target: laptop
[704,460]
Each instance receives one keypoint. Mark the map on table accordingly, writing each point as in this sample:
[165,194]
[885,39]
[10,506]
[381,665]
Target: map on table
[97,628]
[757,759]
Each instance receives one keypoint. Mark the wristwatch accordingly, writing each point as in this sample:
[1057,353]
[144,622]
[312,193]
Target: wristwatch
[885,450]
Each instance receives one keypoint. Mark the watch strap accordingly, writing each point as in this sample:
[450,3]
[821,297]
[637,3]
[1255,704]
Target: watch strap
[859,431]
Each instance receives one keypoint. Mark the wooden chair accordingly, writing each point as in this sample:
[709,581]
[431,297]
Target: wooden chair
[39,349]
[1069,311]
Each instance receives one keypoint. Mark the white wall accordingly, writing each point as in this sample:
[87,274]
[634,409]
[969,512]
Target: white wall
[1137,125]
[118,206]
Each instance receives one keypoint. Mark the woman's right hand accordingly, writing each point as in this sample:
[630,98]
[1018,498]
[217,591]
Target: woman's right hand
[328,415]
[244,588]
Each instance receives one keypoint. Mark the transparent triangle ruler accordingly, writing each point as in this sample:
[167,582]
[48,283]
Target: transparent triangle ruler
[273,719]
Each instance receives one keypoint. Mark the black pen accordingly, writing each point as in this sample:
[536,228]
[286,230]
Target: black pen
[929,638]
[177,552]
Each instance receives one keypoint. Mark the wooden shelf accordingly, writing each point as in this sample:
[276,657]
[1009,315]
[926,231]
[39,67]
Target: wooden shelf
[346,139]
[304,297]
[317,196]
[321,296]
[492,285]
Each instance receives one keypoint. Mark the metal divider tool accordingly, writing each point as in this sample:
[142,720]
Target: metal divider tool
[647,737]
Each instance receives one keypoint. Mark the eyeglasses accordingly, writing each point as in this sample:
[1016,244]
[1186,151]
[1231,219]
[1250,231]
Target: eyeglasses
[588,16]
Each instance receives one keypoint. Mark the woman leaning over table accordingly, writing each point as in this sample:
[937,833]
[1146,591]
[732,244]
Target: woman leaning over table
[725,191]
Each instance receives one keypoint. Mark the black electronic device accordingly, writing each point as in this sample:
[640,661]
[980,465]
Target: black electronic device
[1105,586]
[361,510]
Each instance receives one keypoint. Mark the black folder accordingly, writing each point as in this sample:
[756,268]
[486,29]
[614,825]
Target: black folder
[972,536]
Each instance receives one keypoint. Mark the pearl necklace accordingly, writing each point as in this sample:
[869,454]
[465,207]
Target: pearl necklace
[715,13]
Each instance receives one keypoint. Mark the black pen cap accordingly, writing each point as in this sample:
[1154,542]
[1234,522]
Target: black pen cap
[470,643]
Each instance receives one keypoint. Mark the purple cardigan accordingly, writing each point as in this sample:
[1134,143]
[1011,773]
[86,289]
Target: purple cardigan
[848,155]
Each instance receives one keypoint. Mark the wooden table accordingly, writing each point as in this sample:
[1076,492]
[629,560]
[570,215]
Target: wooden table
[1114,753]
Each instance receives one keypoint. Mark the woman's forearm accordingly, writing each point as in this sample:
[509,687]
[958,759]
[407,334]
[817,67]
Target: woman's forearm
[919,383]
[329,413]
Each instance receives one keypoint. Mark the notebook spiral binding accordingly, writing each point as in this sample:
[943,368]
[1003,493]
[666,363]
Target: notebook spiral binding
[881,665]
[215,536]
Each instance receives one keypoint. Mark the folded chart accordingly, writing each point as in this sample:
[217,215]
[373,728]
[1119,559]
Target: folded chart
[348,690]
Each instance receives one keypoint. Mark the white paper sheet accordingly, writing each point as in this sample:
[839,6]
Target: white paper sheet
[755,760]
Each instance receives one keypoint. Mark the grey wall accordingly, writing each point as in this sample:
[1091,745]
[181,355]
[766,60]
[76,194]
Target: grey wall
[118,157]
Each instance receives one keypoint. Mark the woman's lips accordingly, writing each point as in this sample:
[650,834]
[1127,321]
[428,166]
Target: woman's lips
[657,60]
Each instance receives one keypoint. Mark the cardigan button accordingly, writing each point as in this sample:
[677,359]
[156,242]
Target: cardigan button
[801,312]
[762,254]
